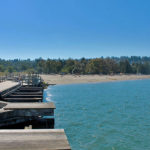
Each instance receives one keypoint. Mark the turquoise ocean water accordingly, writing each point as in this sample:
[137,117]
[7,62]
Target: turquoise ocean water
[103,116]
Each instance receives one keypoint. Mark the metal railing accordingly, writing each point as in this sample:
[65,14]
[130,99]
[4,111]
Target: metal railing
[26,79]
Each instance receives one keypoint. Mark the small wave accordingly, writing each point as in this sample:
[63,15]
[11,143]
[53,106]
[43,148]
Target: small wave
[48,95]
[47,89]
[48,99]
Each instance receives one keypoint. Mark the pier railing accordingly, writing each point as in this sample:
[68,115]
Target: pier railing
[25,79]
[2,78]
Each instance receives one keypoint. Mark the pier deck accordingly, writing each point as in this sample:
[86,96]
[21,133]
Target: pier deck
[7,85]
[41,139]
[31,109]
[13,106]
[26,122]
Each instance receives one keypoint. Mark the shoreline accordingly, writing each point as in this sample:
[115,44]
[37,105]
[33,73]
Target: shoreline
[57,79]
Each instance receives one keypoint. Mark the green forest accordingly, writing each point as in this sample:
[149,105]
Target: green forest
[109,65]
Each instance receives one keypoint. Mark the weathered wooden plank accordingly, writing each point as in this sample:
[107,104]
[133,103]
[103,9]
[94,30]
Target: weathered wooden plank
[28,93]
[23,99]
[26,86]
[12,106]
[11,90]
[32,109]
[7,85]
[43,139]
[2,104]
[29,90]
[25,96]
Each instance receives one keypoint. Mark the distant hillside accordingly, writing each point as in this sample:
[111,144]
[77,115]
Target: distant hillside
[110,65]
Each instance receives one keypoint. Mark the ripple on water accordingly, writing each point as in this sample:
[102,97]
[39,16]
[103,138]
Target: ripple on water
[105,116]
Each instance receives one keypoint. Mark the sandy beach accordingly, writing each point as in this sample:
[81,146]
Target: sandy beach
[74,79]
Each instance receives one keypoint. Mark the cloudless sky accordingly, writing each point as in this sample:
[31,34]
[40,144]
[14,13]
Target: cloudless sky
[74,28]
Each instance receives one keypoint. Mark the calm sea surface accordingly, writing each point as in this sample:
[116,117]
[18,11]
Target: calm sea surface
[104,116]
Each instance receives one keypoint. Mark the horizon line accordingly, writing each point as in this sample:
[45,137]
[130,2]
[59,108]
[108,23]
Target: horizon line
[72,58]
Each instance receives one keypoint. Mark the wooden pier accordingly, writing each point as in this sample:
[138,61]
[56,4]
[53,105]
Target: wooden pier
[44,139]
[26,123]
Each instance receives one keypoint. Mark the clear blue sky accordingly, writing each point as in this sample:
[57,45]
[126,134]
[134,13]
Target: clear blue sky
[74,28]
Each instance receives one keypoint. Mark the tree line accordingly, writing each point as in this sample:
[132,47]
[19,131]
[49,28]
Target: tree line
[109,65]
